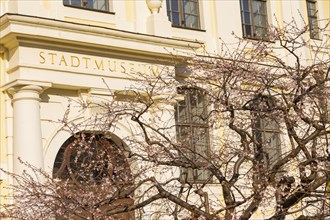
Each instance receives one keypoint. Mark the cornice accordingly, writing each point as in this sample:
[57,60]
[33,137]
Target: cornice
[41,28]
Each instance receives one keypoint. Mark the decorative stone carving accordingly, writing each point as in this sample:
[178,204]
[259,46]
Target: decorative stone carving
[154,5]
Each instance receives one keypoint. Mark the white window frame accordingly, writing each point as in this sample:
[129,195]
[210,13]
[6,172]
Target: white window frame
[182,14]
[253,29]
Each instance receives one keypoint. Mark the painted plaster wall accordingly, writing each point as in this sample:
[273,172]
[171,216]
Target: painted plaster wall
[23,60]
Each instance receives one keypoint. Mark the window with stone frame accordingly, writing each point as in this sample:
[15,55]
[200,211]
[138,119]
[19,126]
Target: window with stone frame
[254,18]
[184,13]
[313,19]
[265,129]
[98,5]
[192,131]
[267,143]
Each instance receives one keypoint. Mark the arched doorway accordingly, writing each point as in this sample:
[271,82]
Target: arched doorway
[96,172]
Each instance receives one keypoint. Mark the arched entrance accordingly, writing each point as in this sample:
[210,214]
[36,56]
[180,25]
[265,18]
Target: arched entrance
[97,177]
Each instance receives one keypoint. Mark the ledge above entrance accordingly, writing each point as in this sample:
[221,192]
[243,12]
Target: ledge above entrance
[58,33]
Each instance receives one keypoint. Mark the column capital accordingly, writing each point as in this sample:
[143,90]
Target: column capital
[27,92]
[19,84]
[15,89]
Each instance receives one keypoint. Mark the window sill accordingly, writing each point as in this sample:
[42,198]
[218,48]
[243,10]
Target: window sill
[317,39]
[188,28]
[258,39]
[89,9]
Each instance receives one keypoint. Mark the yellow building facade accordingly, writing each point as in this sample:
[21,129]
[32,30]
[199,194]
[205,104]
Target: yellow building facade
[54,52]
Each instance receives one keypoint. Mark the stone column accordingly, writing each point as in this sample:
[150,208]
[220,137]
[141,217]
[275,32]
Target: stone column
[27,127]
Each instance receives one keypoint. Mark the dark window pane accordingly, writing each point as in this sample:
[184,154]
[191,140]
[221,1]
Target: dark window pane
[193,99]
[257,19]
[100,4]
[189,7]
[258,7]
[312,6]
[175,5]
[175,19]
[183,133]
[247,19]
[182,116]
[315,33]
[203,174]
[248,30]
[90,4]
[272,143]
[201,139]
[260,20]
[258,135]
[201,100]
[264,21]
[191,21]
[76,3]
[269,124]
[245,5]
[103,5]
[263,8]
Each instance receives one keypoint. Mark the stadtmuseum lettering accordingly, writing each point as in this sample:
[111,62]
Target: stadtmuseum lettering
[96,64]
